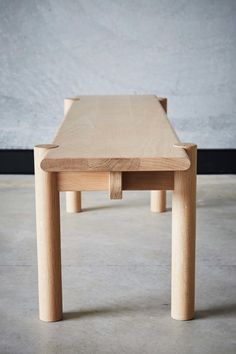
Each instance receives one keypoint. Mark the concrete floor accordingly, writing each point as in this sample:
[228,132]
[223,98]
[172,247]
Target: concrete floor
[116,275]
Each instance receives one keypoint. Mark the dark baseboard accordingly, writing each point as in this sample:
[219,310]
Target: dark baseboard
[17,162]
[210,161]
[216,161]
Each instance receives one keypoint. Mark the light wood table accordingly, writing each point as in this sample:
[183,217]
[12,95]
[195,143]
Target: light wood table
[115,143]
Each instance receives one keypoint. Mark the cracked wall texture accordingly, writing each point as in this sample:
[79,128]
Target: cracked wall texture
[52,49]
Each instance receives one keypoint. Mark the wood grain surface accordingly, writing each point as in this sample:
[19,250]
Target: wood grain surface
[115,133]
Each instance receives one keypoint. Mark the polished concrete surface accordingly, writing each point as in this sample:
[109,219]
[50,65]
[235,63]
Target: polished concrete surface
[116,275]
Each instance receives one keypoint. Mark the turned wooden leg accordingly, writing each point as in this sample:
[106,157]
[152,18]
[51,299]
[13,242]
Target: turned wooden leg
[73,202]
[183,239]
[158,201]
[158,198]
[48,239]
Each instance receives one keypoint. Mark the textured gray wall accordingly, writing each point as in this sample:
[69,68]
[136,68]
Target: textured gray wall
[182,49]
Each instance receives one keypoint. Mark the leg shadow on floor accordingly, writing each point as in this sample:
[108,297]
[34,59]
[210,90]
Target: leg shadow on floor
[226,310]
[146,306]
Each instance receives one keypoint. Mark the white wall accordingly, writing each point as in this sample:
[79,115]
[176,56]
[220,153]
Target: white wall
[183,49]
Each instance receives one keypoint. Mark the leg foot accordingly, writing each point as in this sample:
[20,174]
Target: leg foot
[158,201]
[73,202]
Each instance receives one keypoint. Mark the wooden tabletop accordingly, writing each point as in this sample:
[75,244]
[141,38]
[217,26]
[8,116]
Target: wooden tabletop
[115,133]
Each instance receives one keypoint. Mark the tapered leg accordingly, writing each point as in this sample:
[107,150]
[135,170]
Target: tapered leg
[73,202]
[183,239]
[158,198]
[158,201]
[48,239]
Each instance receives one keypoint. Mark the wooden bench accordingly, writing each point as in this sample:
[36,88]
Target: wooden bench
[115,143]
